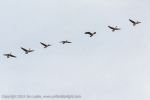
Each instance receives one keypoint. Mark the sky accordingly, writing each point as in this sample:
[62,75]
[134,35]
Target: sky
[108,66]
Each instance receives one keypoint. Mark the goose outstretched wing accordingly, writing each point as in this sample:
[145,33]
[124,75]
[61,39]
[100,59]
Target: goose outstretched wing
[5,54]
[31,50]
[43,44]
[24,49]
[111,27]
[13,56]
[88,33]
[117,29]
[68,42]
[131,21]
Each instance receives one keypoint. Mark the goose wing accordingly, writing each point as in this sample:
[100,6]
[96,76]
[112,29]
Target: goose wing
[31,50]
[5,54]
[13,56]
[88,33]
[68,42]
[24,49]
[131,21]
[117,29]
[43,44]
[111,27]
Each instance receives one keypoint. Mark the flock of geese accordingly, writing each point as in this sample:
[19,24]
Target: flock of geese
[66,41]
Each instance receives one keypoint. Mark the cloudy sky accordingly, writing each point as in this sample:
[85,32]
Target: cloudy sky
[108,66]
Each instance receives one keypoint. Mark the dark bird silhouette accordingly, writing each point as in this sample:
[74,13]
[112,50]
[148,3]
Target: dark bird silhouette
[27,51]
[63,42]
[91,34]
[45,45]
[9,55]
[114,28]
[134,23]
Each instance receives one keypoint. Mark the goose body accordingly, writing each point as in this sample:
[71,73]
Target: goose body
[63,42]
[91,34]
[114,28]
[26,51]
[134,23]
[45,45]
[9,55]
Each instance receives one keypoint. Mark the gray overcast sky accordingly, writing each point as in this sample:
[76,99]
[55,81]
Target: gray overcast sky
[108,66]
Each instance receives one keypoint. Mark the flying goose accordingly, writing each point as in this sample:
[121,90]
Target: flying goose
[9,55]
[134,23]
[26,51]
[45,45]
[91,34]
[63,42]
[114,28]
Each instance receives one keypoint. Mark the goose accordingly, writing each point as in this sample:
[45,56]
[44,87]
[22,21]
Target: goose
[114,28]
[91,34]
[45,45]
[9,55]
[26,51]
[134,23]
[63,42]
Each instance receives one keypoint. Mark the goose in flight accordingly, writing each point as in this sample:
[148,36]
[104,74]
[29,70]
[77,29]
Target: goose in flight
[9,55]
[91,34]
[114,28]
[63,42]
[134,23]
[26,51]
[45,45]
